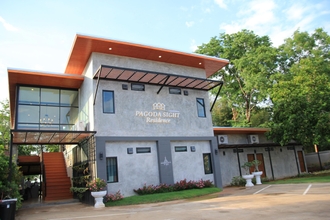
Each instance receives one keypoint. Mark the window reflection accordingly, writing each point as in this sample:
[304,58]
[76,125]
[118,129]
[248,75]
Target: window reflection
[47,109]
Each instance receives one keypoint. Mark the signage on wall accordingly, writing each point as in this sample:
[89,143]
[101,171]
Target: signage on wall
[158,114]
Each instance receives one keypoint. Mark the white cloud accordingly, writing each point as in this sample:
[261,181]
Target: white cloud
[295,12]
[189,23]
[7,26]
[193,45]
[221,4]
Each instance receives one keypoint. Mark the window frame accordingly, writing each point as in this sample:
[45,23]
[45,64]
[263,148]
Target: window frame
[181,149]
[143,150]
[143,87]
[208,169]
[103,102]
[201,107]
[115,176]
[175,91]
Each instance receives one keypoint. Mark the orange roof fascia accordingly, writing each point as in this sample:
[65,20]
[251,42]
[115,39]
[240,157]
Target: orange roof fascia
[84,46]
[39,79]
[231,130]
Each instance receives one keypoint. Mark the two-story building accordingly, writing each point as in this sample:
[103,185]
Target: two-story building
[137,114]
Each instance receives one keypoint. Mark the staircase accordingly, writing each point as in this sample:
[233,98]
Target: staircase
[57,181]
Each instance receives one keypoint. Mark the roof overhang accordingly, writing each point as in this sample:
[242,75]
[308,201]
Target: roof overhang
[237,130]
[84,46]
[39,79]
[154,78]
[29,137]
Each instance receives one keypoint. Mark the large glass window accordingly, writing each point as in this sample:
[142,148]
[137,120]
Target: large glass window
[200,107]
[207,163]
[108,102]
[112,171]
[47,109]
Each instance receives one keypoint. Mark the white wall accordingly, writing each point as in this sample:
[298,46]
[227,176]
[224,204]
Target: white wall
[133,169]
[189,165]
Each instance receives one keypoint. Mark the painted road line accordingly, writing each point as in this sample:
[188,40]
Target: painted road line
[262,189]
[310,185]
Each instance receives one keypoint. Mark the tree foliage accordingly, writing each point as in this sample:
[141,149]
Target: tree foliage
[246,78]
[301,91]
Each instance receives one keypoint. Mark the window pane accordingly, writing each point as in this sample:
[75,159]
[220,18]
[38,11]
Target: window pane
[207,163]
[29,95]
[141,150]
[50,97]
[137,87]
[112,175]
[108,102]
[68,115]
[200,107]
[69,98]
[181,149]
[49,115]
[28,114]
[175,91]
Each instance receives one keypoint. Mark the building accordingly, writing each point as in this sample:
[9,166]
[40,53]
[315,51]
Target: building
[240,145]
[133,114]
[137,114]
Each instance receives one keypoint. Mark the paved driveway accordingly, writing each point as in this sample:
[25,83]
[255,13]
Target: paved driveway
[289,201]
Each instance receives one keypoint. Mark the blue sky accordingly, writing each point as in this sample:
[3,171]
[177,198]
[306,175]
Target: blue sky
[38,35]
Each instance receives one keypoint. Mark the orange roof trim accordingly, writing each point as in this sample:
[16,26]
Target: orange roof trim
[237,130]
[85,45]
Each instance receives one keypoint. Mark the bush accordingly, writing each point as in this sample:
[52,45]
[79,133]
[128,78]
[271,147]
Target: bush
[181,185]
[9,190]
[114,197]
[238,181]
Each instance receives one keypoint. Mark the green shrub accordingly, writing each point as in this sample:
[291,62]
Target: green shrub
[238,181]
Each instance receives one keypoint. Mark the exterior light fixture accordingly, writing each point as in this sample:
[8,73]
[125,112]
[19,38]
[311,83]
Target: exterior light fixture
[101,156]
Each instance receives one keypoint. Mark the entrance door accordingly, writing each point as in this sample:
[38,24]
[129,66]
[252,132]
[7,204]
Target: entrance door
[261,167]
[301,161]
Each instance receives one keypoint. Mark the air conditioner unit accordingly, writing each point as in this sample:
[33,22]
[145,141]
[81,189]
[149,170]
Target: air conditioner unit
[253,139]
[223,139]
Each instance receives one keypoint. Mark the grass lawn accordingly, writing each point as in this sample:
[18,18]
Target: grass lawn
[163,197]
[317,177]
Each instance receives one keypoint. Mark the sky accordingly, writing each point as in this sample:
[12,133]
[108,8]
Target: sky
[38,34]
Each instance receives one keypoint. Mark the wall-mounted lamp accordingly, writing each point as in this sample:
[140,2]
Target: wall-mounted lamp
[192,148]
[101,156]
[281,149]
[216,151]
[255,151]
[130,150]
[224,153]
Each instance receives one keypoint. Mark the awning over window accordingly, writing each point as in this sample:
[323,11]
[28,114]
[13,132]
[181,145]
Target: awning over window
[154,78]
[49,137]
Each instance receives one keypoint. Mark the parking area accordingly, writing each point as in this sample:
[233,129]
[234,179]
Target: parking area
[285,201]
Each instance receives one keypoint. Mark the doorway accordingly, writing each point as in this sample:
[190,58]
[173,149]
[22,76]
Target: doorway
[259,157]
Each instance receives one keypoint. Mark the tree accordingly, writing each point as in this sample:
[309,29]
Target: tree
[246,77]
[221,114]
[301,91]
[4,123]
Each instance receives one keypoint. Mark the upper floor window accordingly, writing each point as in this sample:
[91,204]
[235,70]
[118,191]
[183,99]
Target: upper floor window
[47,108]
[176,91]
[200,107]
[108,102]
[137,87]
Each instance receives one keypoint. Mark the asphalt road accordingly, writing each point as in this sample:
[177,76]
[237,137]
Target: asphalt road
[289,201]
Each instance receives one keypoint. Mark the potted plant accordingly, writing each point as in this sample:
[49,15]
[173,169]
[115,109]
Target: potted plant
[248,177]
[98,191]
[256,172]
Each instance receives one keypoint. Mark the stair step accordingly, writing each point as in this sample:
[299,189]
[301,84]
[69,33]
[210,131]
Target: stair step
[57,182]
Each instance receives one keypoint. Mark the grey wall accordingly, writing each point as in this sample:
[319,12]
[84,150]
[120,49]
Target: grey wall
[280,164]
